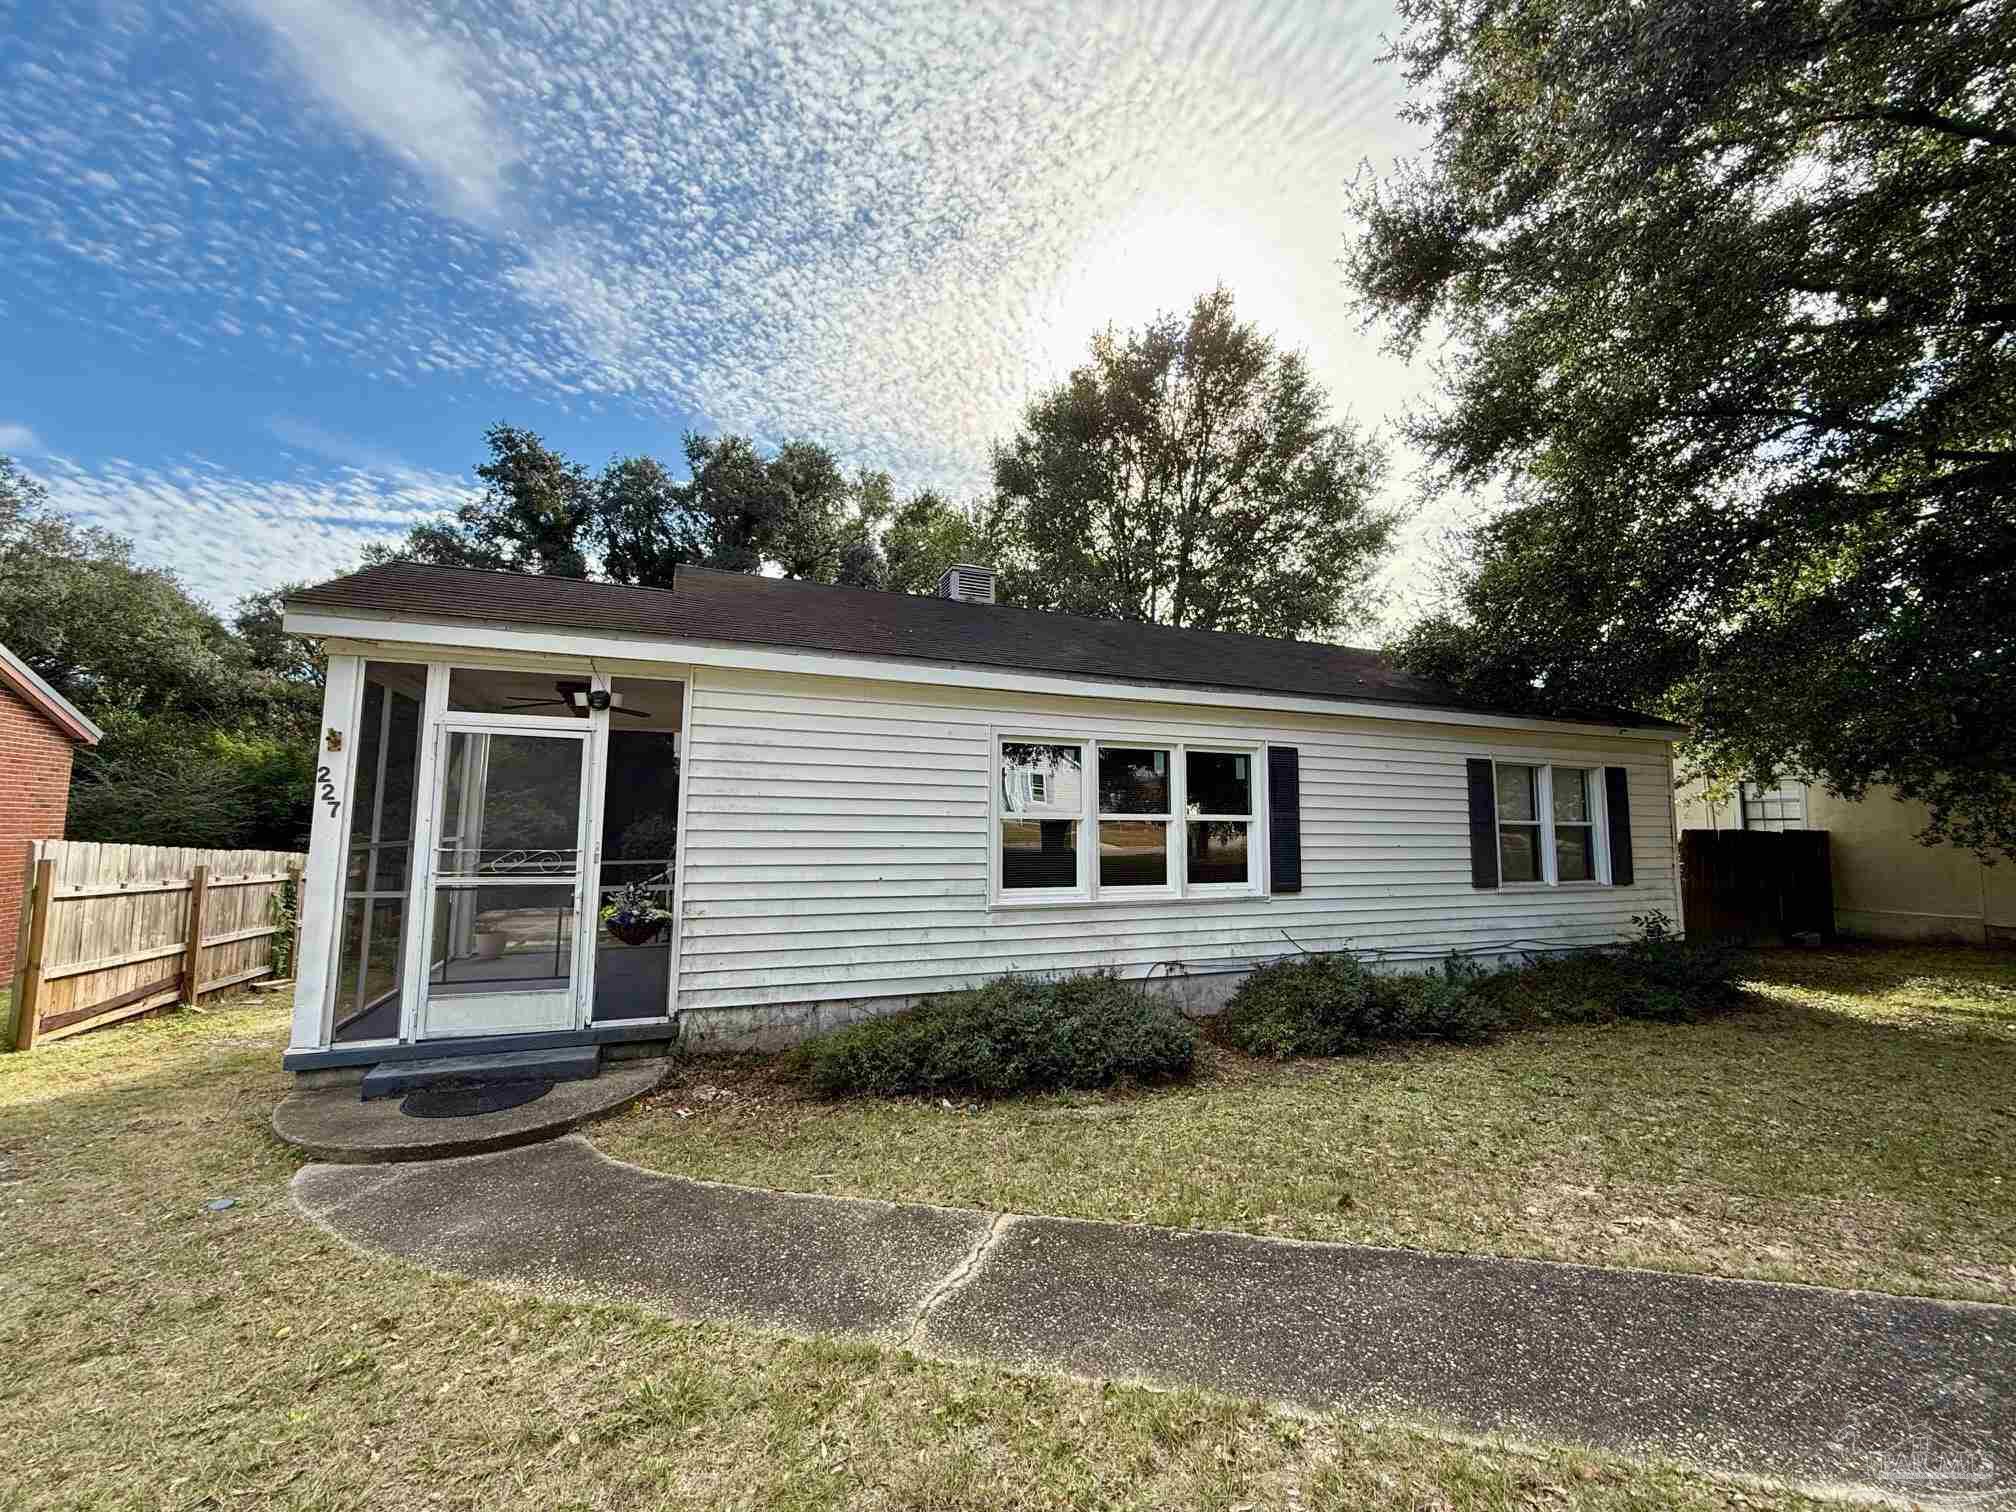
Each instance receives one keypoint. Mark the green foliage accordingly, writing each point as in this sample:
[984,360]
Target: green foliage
[740,510]
[927,535]
[1190,474]
[283,911]
[537,513]
[651,838]
[1014,1035]
[1328,1004]
[209,728]
[157,781]
[1664,979]
[1728,294]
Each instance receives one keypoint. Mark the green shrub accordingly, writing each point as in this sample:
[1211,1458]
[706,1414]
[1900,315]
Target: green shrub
[1014,1035]
[1330,1005]
[1662,979]
[1410,1006]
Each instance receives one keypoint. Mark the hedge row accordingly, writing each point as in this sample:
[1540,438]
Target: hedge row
[1020,1034]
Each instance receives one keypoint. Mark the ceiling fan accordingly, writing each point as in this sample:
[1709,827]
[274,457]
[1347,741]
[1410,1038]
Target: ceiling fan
[577,699]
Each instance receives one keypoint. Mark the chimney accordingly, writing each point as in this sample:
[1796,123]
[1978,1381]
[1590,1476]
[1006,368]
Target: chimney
[967,584]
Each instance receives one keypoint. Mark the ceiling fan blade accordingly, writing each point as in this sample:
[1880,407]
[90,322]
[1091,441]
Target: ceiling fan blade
[633,713]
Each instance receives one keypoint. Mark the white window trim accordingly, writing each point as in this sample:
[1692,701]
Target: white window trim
[1550,865]
[1078,892]
[1087,890]
[1255,841]
[1172,862]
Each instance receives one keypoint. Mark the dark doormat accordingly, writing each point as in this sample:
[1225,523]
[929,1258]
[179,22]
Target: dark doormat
[469,1099]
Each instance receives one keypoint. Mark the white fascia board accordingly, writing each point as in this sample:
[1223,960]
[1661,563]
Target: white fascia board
[381,633]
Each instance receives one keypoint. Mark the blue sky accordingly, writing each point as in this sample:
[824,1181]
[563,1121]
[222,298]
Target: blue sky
[268,267]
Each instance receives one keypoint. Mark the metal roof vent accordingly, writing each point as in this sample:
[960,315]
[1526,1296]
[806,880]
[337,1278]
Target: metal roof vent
[968,584]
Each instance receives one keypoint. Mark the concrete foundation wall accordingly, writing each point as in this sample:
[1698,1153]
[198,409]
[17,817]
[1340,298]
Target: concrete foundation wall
[778,1026]
[737,1031]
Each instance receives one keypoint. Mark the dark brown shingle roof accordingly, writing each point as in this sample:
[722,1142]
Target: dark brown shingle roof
[708,605]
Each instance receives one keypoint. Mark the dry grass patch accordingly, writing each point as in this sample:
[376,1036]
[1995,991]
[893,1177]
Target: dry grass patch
[160,1354]
[1851,1127]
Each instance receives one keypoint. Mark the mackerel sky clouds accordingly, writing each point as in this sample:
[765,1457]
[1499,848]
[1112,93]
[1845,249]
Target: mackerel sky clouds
[268,267]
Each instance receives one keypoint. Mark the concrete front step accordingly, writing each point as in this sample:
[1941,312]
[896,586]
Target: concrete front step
[562,1063]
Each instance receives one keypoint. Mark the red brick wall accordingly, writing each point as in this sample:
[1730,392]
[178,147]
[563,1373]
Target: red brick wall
[34,798]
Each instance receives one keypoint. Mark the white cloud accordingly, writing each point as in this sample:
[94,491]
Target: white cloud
[18,439]
[402,86]
[229,535]
[880,228]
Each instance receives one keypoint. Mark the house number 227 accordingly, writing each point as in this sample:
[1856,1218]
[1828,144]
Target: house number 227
[328,790]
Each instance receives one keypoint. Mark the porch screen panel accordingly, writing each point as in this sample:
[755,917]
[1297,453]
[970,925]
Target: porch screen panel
[378,867]
[638,851]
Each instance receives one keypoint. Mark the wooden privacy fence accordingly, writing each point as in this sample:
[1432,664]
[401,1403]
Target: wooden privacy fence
[110,931]
[1757,887]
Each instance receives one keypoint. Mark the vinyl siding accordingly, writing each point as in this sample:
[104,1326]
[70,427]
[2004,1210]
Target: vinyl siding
[836,844]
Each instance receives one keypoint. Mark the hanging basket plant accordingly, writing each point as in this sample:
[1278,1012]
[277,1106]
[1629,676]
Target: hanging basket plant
[634,917]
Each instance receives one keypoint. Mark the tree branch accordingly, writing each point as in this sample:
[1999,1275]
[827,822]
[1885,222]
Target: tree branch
[1929,120]
[1812,418]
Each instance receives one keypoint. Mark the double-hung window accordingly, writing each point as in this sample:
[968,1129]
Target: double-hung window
[1218,818]
[1135,810]
[1079,820]
[1549,818]
[1042,809]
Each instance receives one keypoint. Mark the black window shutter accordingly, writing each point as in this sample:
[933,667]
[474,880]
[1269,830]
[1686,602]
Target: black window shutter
[1483,824]
[1284,819]
[1617,807]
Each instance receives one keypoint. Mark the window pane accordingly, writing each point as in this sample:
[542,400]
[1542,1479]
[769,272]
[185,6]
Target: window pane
[376,870]
[511,805]
[640,841]
[367,970]
[1516,802]
[1042,779]
[490,939]
[1571,796]
[1220,783]
[1519,852]
[1039,853]
[1218,852]
[1574,856]
[1133,781]
[1133,853]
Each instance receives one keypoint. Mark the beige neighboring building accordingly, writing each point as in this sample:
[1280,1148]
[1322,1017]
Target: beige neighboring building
[1886,885]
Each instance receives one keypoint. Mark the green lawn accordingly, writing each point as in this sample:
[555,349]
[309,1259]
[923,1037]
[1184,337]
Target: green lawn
[1852,1127]
[160,1355]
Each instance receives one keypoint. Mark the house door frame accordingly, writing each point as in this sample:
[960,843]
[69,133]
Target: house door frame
[432,779]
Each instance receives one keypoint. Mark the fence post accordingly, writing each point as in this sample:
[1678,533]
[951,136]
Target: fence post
[29,1006]
[192,952]
[294,947]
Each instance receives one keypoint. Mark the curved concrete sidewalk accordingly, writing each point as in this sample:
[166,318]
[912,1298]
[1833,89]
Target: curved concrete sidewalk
[1825,1389]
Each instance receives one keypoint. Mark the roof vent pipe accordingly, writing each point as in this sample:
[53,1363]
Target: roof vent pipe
[967,584]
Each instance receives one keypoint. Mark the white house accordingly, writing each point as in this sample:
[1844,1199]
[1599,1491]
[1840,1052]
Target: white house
[848,799]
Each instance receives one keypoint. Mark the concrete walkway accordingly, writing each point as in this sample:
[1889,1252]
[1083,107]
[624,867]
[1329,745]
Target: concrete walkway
[1825,1389]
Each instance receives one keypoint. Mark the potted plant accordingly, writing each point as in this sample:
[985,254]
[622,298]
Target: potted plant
[490,936]
[633,917]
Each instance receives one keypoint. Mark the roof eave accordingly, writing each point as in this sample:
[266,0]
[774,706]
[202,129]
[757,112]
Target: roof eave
[46,701]
[305,617]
